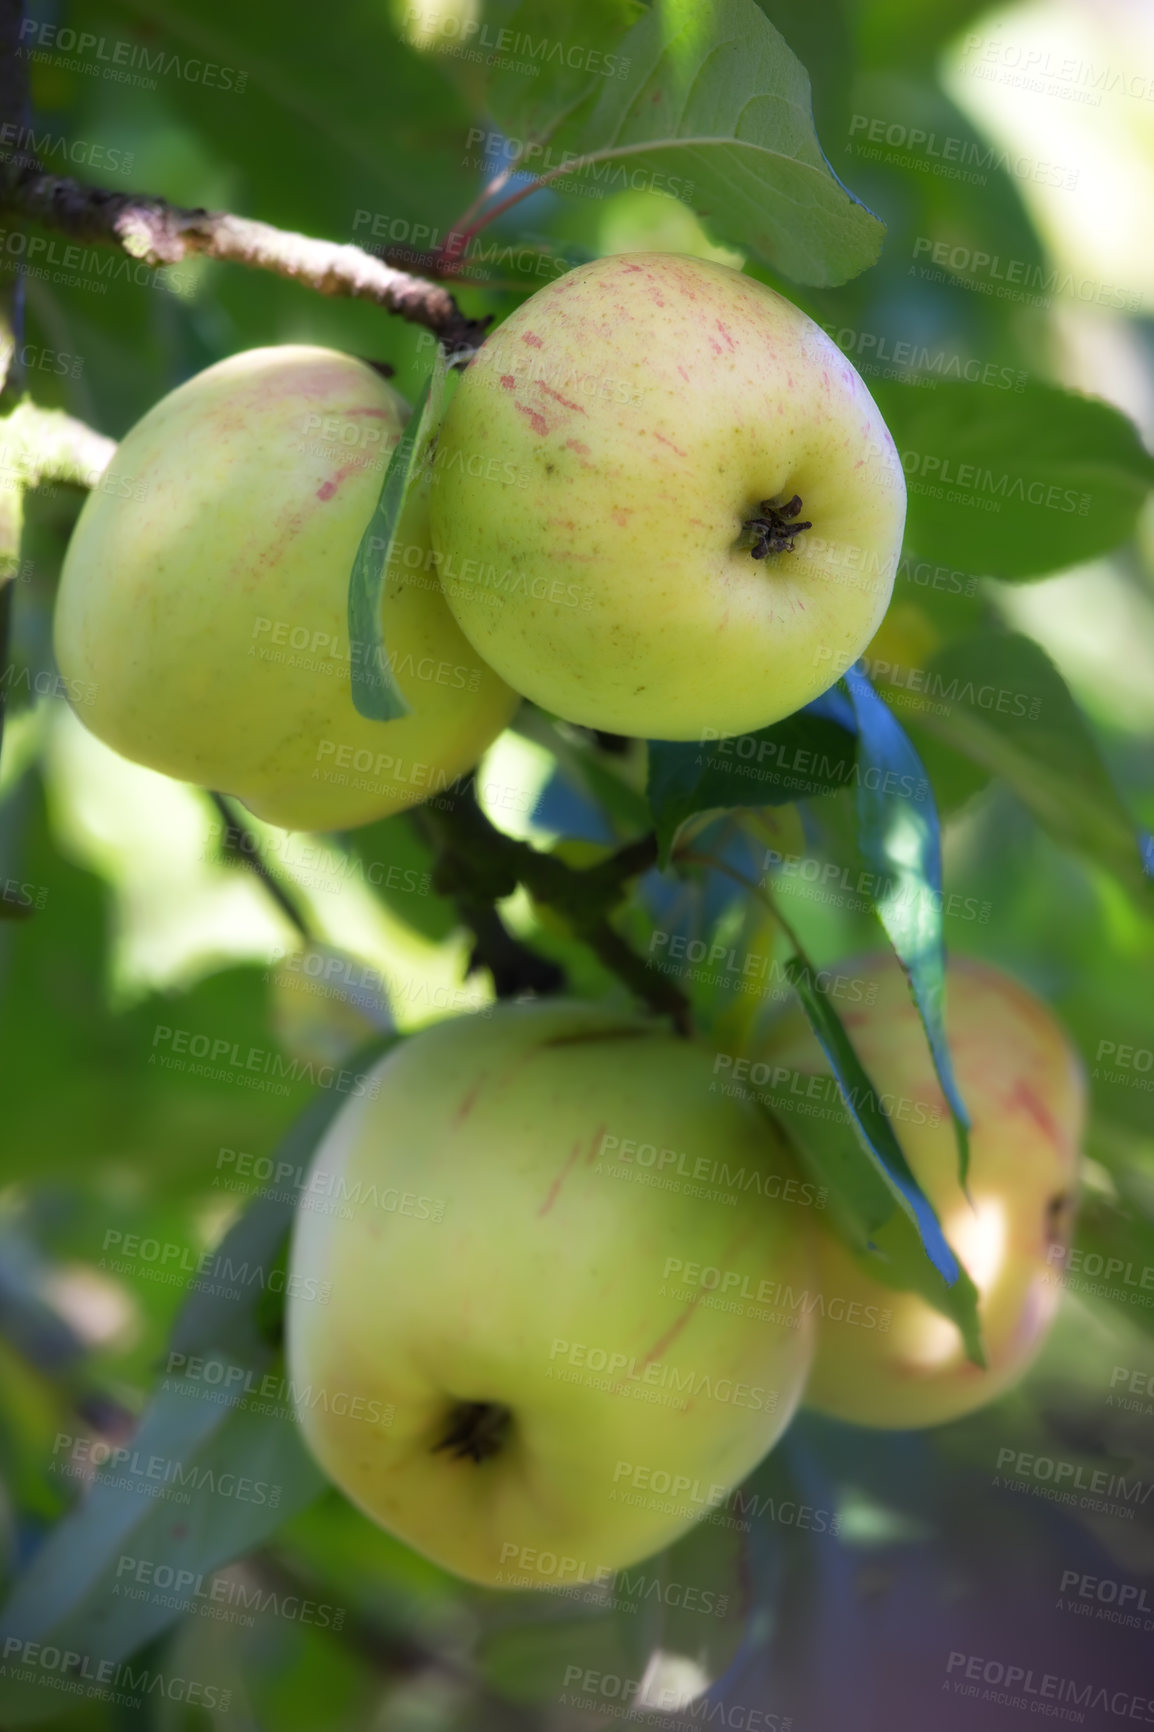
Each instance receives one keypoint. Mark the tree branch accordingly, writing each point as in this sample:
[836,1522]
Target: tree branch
[158,233]
[478,865]
[45,445]
[239,843]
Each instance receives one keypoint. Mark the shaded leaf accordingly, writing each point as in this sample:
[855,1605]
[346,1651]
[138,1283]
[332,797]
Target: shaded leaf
[899,838]
[1008,708]
[375,692]
[808,753]
[716,110]
[1015,484]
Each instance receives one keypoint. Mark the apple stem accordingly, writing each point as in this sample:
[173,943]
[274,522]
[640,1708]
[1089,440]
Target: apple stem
[476,1430]
[774,528]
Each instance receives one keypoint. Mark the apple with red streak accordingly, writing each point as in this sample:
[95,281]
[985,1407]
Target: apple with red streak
[528,1347]
[674,506]
[1024,1086]
[202,620]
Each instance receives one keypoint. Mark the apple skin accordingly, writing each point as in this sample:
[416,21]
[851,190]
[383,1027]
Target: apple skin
[202,614]
[642,407]
[543,1240]
[1024,1086]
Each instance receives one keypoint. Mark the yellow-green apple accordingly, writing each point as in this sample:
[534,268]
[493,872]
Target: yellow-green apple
[203,604]
[700,512]
[885,1357]
[565,1301]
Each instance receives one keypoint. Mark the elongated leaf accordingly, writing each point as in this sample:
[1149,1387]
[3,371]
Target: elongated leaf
[199,1484]
[899,837]
[214,1469]
[870,1118]
[375,692]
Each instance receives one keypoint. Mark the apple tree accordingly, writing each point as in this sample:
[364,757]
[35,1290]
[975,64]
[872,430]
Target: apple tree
[377,744]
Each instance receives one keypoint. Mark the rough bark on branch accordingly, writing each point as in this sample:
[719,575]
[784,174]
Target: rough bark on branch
[158,233]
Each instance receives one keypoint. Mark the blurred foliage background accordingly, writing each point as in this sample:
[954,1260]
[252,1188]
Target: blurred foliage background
[126,918]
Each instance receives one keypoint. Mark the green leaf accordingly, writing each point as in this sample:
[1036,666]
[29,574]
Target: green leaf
[375,692]
[899,838]
[876,1202]
[215,1467]
[574,46]
[1008,708]
[869,1117]
[1015,484]
[715,109]
[197,1485]
[806,754]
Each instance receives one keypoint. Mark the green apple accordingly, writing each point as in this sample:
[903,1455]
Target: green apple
[546,1303]
[637,413]
[885,1357]
[202,615]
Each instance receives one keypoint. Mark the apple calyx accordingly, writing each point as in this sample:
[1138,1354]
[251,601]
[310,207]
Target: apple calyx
[773,529]
[476,1430]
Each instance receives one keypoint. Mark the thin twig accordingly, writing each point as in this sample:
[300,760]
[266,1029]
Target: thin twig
[478,865]
[239,843]
[157,233]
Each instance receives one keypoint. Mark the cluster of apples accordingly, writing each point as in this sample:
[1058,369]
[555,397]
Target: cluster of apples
[662,503]
[574,1292]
